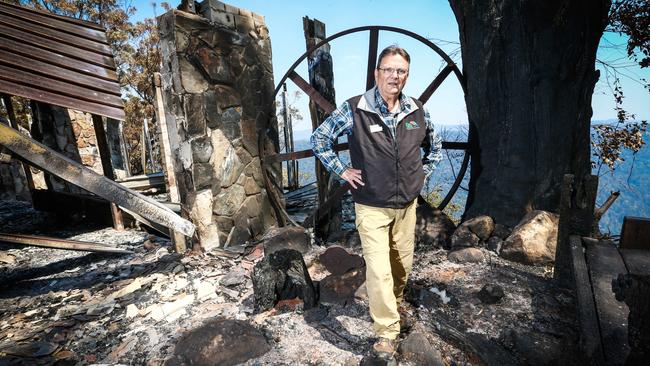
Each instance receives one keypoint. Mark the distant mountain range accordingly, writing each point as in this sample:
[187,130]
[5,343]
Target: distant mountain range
[631,178]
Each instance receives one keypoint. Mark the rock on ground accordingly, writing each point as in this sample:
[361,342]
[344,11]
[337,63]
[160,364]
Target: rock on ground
[482,226]
[463,237]
[467,255]
[417,349]
[219,342]
[533,240]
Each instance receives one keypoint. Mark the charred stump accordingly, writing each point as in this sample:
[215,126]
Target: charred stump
[282,275]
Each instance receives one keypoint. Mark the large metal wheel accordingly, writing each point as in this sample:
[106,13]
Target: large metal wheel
[450,68]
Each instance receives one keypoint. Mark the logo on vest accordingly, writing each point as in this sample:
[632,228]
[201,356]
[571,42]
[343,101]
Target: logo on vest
[412,125]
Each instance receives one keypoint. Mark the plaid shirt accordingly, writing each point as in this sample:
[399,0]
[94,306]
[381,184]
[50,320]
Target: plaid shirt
[340,122]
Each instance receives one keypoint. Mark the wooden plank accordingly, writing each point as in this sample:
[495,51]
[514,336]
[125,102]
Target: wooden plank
[65,60]
[81,22]
[272,159]
[637,261]
[55,35]
[373,42]
[54,23]
[605,264]
[59,87]
[144,181]
[56,72]
[426,94]
[159,228]
[312,93]
[590,341]
[55,243]
[60,100]
[635,233]
[49,160]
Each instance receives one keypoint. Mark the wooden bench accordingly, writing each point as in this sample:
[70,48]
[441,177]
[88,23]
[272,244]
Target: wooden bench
[603,319]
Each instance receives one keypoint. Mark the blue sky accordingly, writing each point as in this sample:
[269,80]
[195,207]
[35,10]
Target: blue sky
[431,19]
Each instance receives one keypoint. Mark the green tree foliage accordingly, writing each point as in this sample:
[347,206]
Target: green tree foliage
[632,19]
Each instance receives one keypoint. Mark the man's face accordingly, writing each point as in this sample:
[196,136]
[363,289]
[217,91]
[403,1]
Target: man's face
[390,84]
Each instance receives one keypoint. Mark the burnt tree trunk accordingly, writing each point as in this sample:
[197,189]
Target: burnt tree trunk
[530,73]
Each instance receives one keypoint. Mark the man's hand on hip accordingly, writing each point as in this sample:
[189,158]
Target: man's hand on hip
[353,176]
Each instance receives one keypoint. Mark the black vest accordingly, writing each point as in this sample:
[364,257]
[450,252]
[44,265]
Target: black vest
[391,168]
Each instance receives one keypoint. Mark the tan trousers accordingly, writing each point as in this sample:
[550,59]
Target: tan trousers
[387,239]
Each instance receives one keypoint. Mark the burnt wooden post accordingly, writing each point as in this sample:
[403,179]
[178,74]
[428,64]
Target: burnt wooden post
[321,78]
[119,156]
[179,241]
[292,165]
[107,166]
[577,204]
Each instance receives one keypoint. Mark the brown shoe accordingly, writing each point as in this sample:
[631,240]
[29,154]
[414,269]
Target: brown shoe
[384,348]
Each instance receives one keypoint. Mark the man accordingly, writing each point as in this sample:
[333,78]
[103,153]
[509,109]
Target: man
[385,129]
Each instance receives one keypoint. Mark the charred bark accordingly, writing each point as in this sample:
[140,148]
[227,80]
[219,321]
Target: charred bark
[530,74]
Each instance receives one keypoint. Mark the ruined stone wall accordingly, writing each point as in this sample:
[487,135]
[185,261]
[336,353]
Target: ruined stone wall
[13,185]
[84,139]
[69,132]
[217,83]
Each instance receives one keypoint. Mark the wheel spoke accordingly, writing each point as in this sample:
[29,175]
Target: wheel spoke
[435,84]
[323,103]
[372,58]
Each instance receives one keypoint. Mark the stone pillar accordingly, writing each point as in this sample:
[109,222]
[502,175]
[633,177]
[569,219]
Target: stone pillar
[217,86]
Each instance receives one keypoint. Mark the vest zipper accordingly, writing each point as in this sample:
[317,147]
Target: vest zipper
[396,149]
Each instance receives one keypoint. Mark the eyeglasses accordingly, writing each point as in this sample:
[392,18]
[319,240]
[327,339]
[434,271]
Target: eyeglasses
[390,71]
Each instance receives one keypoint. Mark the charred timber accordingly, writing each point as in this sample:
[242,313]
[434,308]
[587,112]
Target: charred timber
[47,159]
[42,241]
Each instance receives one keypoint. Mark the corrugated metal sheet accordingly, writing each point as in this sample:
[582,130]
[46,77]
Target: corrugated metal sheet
[58,60]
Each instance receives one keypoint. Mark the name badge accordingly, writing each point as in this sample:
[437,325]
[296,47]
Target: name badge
[375,128]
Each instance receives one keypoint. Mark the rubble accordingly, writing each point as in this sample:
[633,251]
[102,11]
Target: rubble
[144,308]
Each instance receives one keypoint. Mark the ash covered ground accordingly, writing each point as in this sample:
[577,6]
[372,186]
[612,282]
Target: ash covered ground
[154,306]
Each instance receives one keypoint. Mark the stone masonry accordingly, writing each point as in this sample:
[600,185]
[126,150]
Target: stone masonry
[217,83]
[69,132]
